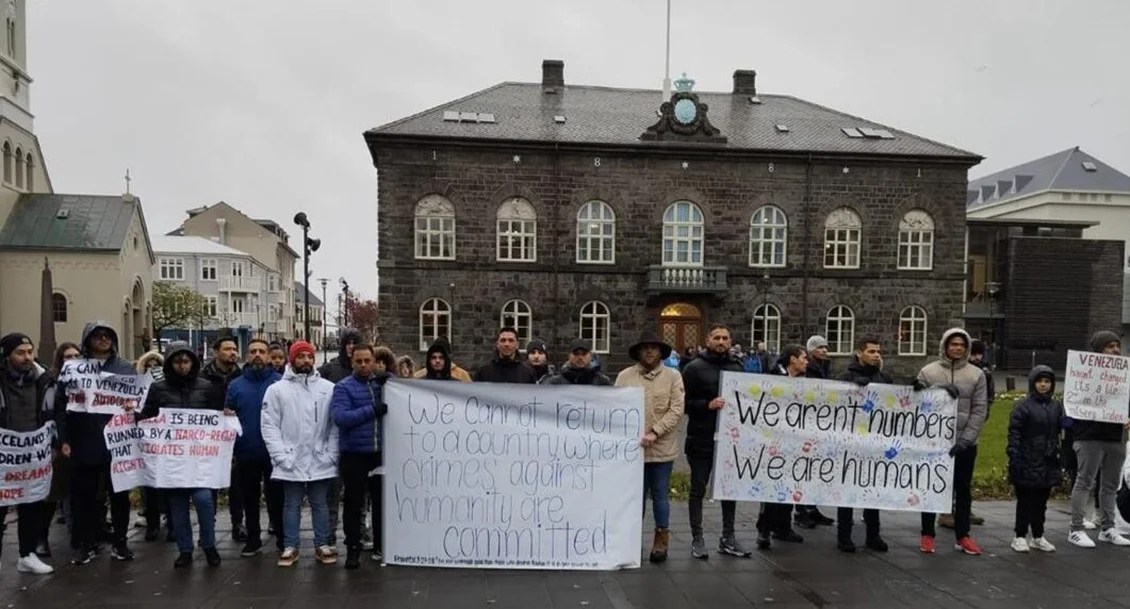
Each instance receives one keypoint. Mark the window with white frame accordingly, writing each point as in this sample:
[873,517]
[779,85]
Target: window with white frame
[435,228]
[273,282]
[916,241]
[768,233]
[912,331]
[767,327]
[596,233]
[208,269]
[516,314]
[435,321]
[840,330]
[841,239]
[683,230]
[517,231]
[172,269]
[211,307]
[595,325]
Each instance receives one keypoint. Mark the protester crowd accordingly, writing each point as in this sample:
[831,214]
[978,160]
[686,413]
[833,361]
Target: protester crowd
[314,434]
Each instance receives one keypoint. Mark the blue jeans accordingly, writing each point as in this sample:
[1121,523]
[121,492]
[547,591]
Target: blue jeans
[318,493]
[657,483]
[205,516]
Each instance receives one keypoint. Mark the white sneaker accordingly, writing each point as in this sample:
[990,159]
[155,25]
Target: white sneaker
[1081,539]
[1089,524]
[1019,544]
[1112,537]
[32,564]
[141,522]
[1042,544]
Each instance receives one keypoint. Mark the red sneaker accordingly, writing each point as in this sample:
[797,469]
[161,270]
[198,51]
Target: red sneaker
[927,544]
[967,545]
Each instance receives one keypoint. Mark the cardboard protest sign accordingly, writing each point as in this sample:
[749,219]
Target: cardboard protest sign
[25,465]
[807,441]
[91,390]
[512,476]
[1097,387]
[179,448]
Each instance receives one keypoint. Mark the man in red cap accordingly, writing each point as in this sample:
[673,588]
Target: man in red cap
[302,441]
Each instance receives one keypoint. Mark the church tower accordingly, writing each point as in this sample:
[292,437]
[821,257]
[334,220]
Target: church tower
[22,166]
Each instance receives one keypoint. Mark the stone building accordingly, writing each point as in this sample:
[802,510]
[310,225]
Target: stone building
[602,212]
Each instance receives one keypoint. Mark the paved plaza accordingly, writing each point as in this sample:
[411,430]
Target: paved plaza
[812,574]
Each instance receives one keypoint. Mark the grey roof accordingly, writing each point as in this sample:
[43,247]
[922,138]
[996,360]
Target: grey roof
[612,116]
[1060,171]
[91,223]
[298,296]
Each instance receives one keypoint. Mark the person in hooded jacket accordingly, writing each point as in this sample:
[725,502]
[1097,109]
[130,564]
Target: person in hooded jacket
[1033,457]
[220,371]
[81,435]
[277,355]
[59,499]
[438,365]
[580,369]
[965,383]
[301,439]
[151,363]
[700,379]
[537,356]
[358,408]
[507,365]
[252,462]
[1100,451]
[23,387]
[183,387]
[866,367]
[341,366]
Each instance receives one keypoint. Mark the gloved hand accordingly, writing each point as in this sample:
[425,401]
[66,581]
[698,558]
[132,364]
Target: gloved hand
[960,447]
[919,385]
[381,409]
[952,390]
[862,381]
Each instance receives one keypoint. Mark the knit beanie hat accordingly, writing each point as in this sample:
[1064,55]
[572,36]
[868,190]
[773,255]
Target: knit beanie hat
[815,342]
[300,346]
[11,342]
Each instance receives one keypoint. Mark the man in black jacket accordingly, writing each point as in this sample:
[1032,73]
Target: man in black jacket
[579,370]
[819,367]
[341,366]
[866,367]
[700,377]
[220,372]
[506,366]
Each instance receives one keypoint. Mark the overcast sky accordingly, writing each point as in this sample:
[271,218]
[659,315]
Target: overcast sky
[262,103]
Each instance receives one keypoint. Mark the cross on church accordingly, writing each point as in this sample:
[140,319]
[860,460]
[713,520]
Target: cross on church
[128,179]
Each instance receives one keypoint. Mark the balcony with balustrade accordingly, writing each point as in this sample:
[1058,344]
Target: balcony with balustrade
[235,283]
[686,279]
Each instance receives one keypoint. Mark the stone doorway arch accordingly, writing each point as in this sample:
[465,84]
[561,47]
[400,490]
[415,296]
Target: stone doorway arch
[680,325]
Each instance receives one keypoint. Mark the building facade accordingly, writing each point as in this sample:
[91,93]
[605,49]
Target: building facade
[317,316]
[572,211]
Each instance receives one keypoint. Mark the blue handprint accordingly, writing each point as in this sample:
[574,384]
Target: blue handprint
[782,492]
[868,405]
[893,451]
[755,489]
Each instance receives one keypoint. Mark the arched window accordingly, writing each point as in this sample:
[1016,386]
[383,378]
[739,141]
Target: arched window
[28,165]
[517,231]
[841,239]
[767,327]
[516,314]
[7,163]
[59,307]
[768,232]
[595,323]
[840,330]
[435,321]
[19,168]
[596,233]
[682,234]
[916,241]
[435,229]
[912,331]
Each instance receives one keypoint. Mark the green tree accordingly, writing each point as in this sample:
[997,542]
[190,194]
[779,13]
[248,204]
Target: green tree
[176,306]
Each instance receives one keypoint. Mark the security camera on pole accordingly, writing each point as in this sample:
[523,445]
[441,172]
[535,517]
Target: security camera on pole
[312,246]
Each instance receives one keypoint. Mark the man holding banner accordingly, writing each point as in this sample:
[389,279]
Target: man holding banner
[24,482]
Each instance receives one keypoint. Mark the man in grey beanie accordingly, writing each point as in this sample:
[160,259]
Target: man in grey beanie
[819,367]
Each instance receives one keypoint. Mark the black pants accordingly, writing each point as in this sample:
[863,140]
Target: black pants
[844,518]
[356,482]
[156,505]
[1031,505]
[30,525]
[962,496]
[254,481]
[774,518]
[235,497]
[700,476]
[87,512]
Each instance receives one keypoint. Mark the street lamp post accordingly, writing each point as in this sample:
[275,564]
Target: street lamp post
[993,288]
[311,246]
[325,353]
[345,302]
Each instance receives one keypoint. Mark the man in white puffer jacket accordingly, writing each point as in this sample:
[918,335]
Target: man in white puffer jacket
[301,438]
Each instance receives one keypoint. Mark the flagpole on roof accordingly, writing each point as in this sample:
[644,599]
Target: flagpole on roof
[667,66]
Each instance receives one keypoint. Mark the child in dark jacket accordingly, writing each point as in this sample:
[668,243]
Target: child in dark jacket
[1034,464]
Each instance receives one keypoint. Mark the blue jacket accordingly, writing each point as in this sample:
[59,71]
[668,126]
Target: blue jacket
[245,397]
[357,408]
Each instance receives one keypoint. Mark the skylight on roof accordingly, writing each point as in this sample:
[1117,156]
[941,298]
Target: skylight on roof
[450,116]
[1089,166]
[755,100]
[782,128]
[559,119]
[851,132]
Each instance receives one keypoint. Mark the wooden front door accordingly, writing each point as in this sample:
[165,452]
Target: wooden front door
[680,325]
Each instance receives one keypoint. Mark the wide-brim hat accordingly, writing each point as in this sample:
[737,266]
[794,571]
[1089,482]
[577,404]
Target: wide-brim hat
[649,338]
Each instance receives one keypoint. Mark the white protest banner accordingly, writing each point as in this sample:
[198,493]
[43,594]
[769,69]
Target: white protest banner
[807,441]
[91,390]
[512,476]
[179,448]
[25,465]
[1098,387]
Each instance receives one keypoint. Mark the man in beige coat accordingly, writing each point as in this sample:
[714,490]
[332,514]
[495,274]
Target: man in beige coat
[664,399]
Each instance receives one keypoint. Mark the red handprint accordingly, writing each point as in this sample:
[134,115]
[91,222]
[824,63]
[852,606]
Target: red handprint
[797,496]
